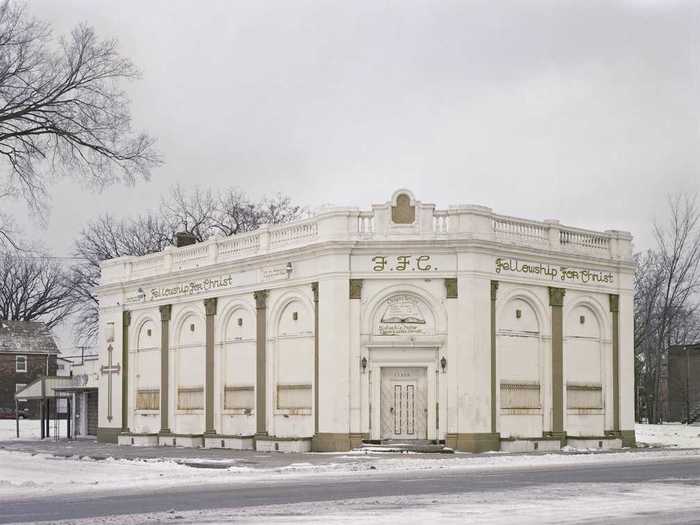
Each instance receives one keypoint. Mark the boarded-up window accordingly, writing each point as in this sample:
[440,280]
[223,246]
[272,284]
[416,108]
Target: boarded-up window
[239,397]
[580,395]
[148,399]
[190,398]
[293,396]
[520,395]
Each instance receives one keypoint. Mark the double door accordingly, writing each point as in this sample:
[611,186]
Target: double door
[404,412]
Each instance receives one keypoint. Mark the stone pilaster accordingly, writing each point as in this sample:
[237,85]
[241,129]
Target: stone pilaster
[615,311]
[314,289]
[494,294]
[126,322]
[165,314]
[210,310]
[260,362]
[556,302]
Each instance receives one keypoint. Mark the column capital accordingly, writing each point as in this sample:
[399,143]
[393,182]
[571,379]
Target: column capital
[314,289]
[126,317]
[494,290]
[614,302]
[210,306]
[556,296]
[355,288]
[451,287]
[165,312]
[261,299]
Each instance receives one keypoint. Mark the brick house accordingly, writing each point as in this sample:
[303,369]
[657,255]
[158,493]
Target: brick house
[27,351]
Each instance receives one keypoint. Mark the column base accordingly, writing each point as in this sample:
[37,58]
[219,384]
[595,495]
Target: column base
[628,438]
[474,442]
[282,444]
[230,442]
[561,436]
[332,442]
[107,435]
[356,439]
[138,440]
[180,440]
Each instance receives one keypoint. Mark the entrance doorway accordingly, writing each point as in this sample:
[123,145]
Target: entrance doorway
[403,405]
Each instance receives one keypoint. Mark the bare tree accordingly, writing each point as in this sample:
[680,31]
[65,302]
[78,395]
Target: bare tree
[62,110]
[667,282]
[204,214]
[199,212]
[34,289]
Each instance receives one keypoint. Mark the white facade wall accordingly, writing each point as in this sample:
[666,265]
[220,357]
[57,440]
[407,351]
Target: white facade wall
[414,331]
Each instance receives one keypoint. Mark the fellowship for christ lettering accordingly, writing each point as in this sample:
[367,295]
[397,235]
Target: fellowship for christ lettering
[192,287]
[562,273]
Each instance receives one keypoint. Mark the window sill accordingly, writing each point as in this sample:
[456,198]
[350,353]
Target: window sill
[521,411]
[292,412]
[238,412]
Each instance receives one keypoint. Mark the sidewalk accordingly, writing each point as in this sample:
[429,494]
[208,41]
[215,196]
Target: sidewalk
[223,458]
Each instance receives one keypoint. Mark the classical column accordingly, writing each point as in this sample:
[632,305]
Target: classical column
[165,312]
[260,342]
[126,321]
[314,288]
[210,310]
[556,301]
[494,291]
[615,310]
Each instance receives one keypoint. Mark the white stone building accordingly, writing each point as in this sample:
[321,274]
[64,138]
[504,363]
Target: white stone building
[402,322]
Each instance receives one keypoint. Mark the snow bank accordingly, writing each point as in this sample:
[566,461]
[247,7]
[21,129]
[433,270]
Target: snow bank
[669,435]
[29,429]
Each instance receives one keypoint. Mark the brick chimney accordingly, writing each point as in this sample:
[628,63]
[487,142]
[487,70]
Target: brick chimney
[184,239]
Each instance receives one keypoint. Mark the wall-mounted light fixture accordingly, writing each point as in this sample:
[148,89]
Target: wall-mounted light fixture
[363,364]
[443,364]
[289,269]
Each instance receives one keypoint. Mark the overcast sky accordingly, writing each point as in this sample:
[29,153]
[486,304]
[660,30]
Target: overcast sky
[585,111]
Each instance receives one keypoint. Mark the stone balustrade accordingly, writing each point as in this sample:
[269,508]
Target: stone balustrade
[351,224]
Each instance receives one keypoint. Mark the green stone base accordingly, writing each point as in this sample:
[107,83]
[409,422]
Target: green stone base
[108,435]
[628,438]
[561,436]
[481,442]
[331,442]
[356,439]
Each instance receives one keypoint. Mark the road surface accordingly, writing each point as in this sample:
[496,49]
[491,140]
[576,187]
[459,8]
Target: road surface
[372,484]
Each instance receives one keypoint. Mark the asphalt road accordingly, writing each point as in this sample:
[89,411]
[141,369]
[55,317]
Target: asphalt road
[358,485]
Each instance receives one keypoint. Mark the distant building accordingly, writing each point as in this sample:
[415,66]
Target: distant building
[27,352]
[684,383]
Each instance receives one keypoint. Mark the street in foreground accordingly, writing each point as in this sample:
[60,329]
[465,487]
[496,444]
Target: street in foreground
[644,486]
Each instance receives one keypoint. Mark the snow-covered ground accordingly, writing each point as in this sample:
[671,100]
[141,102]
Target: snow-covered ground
[46,474]
[669,435]
[25,475]
[28,429]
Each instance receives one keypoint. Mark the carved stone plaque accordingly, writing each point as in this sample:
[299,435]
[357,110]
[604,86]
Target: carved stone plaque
[402,316]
